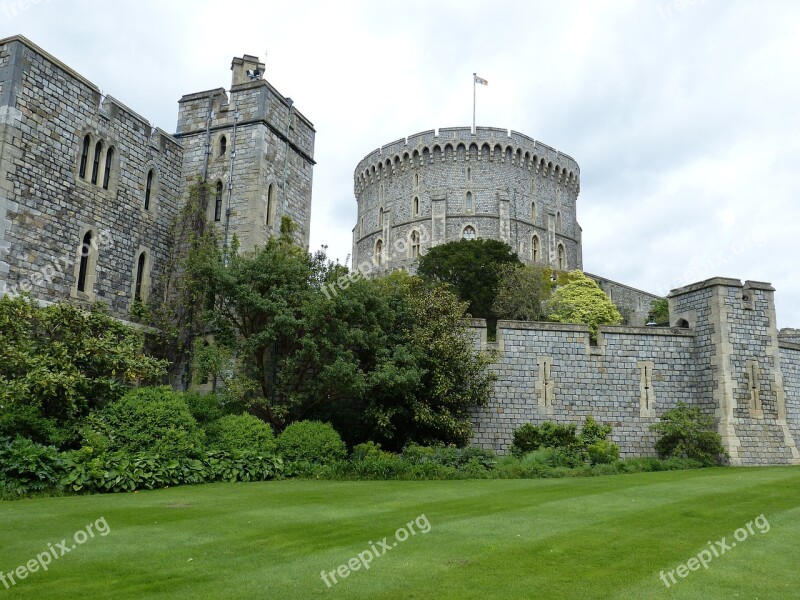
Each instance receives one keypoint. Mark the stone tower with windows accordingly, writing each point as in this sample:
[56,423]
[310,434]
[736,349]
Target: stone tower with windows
[256,151]
[437,187]
[89,188]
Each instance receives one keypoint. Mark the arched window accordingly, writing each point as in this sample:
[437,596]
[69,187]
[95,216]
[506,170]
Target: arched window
[218,203]
[415,244]
[223,145]
[87,141]
[148,190]
[86,251]
[380,218]
[535,252]
[469,201]
[562,261]
[270,204]
[379,252]
[416,206]
[469,233]
[98,151]
[107,173]
[558,222]
[533,211]
[137,294]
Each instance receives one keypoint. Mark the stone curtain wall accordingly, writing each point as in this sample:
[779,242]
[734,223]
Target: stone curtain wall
[503,172]
[550,372]
[45,208]
[261,156]
[722,354]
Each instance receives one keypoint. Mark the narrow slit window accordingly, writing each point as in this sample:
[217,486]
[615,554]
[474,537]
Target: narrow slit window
[148,189]
[270,203]
[107,171]
[86,250]
[469,201]
[87,141]
[98,150]
[137,296]
[223,145]
[218,203]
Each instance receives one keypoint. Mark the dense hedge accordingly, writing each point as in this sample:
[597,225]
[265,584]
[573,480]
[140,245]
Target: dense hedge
[238,433]
[155,419]
[311,442]
[28,468]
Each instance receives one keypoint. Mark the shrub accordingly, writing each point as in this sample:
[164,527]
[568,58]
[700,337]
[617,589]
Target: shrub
[240,433]
[602,452]
[547,435]
[593,432]
[121,472]
[27,467]
[153,420]
[688,433]
[311,441]
[205,408]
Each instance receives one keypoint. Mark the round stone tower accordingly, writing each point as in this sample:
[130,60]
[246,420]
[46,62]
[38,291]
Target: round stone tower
[432,188]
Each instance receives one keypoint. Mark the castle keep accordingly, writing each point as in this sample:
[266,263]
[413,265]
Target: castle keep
[437,187]
[89,189]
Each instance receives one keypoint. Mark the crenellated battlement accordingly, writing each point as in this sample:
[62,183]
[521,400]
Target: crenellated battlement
[460,143]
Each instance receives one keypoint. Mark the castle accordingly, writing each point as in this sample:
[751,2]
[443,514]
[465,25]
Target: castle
[89,190]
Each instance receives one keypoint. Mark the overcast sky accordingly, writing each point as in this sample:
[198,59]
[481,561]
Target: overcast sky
[682,114]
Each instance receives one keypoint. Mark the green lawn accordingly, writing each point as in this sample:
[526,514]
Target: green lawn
[603,537]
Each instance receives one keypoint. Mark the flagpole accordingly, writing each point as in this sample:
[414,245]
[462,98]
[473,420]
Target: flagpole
[474,75]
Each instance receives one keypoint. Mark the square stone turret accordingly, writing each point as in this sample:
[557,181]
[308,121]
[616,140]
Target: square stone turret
[740,379]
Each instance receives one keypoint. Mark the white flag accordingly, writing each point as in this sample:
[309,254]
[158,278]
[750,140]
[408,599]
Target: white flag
[481,81]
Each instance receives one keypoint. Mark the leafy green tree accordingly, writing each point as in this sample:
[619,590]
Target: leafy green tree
[580,300]
[58,363]
[660,312]
[523,292]
[368,356]
[687,432]
[473,268]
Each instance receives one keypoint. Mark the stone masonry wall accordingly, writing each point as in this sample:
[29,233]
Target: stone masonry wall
[551,372]
[790,365]
[46,109]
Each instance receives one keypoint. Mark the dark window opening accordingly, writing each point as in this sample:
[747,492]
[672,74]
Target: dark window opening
[84,156]
[98,150]
[139,277]
[107,174]
[218,203]
[148,190]
[86,250]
